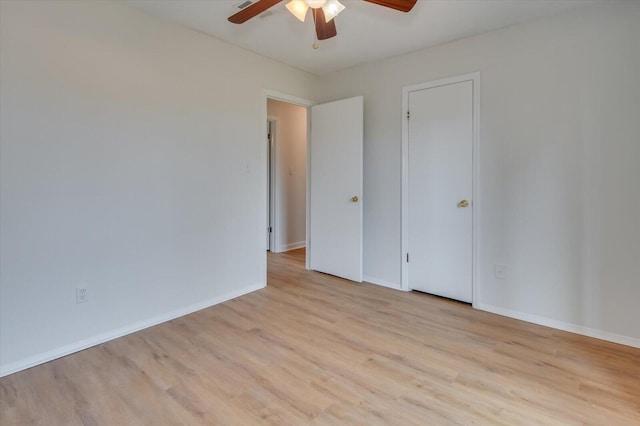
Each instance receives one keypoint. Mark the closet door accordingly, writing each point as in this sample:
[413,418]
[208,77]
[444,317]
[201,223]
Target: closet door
[440,184]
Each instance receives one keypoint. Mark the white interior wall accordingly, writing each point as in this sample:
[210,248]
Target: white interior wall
[559,152]
[290,174]
[133,164]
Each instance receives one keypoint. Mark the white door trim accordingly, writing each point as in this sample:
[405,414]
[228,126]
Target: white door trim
[271,171]
[475,78]
[284,97]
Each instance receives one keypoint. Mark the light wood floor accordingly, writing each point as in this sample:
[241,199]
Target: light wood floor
[315,349]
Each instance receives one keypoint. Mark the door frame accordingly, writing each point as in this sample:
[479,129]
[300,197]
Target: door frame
[406,90]
[284,97]
[272,124]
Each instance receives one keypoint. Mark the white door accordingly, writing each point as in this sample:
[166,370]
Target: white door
[335,188]
[440,184]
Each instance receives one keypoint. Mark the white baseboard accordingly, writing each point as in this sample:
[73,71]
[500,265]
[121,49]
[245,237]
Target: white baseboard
[34,360]
[383,283]
[561,325]
[291,246]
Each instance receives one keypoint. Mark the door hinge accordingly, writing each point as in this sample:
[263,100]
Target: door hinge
[407,257]
[408,115]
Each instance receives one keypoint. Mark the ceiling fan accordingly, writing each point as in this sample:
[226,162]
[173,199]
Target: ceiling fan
[323,12]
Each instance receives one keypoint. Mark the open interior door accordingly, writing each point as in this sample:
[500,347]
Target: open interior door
[335,188]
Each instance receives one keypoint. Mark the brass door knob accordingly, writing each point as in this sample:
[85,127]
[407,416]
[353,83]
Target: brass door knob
[354,199]
[463,203]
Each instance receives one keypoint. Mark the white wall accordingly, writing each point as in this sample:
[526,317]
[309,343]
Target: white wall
[290,174]
[132,163]
[559,199]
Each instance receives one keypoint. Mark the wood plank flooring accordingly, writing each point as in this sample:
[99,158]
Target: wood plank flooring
[312,349]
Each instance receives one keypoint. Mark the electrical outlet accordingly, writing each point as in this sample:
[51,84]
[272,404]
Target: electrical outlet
[81,295]
[500,271]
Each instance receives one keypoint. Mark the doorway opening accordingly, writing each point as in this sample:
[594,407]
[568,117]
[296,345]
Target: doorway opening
[333,208]
[286,176]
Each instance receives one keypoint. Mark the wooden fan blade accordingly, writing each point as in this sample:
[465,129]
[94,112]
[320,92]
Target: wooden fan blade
[252,10]
[401,5]
[324,30]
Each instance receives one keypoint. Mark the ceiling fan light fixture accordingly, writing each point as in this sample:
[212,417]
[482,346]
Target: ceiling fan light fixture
[331,9]
[315,4]
[298,8]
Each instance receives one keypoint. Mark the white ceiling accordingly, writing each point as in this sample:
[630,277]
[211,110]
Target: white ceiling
[366,32]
